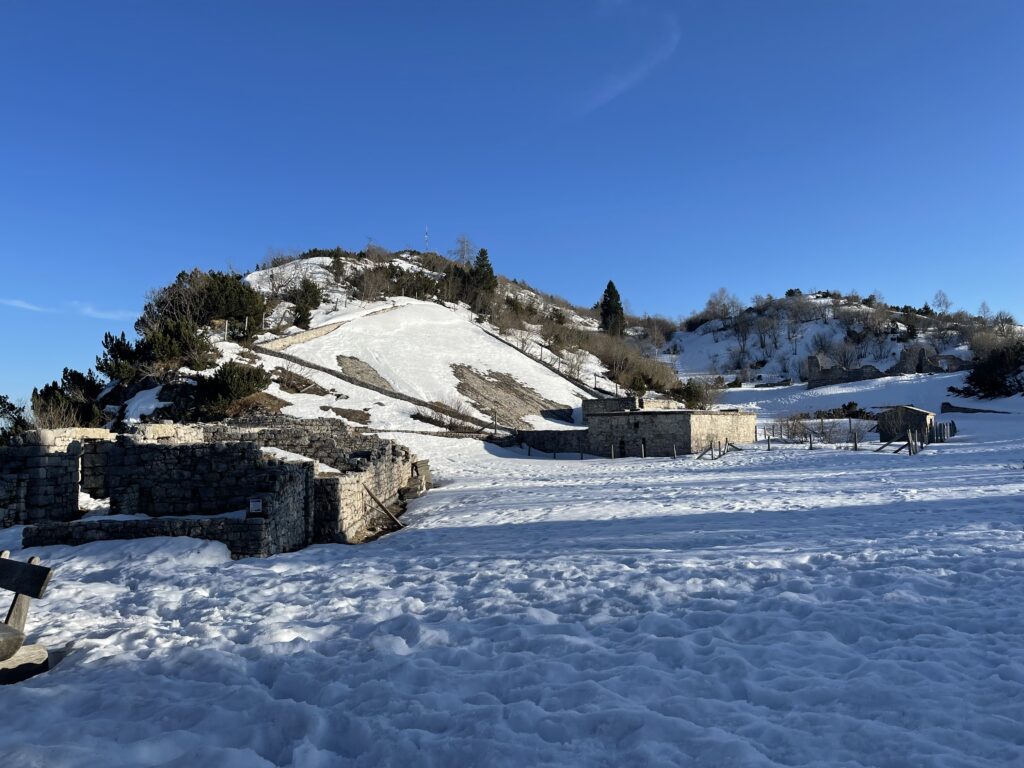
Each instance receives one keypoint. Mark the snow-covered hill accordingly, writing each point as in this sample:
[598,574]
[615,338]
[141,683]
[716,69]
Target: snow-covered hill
[777,344]
[403,348]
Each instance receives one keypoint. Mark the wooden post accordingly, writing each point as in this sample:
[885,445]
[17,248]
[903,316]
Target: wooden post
[810,441]
[769,442]
[674,455]
[381,505]
[613,450]
[529,450]
[854,440]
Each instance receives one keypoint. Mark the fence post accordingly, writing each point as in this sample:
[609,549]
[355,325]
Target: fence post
[854,439]
[674,456]
[810,441]
[613,450]
[769,442]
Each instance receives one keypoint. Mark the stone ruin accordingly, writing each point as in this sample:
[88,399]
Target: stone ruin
[260,486]
[822,370]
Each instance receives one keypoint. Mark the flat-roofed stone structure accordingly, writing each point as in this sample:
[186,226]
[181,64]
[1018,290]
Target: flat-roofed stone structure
[666,432]
[630,426]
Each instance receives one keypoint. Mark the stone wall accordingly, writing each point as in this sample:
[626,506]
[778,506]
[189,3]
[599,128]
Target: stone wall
[203,479]
[916,358]
[168,471]
[49,479]
[609,405]
[666,433]
[552,440]
[13,489]
[823,375]
[721,426]
[186,489]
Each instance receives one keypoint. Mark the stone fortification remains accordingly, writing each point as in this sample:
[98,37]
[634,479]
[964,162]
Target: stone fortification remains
[823,371]
[260,486]
[630,426]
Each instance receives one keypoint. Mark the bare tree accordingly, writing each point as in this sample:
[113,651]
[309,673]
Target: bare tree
[846,355]
[822,343]
[941,302]
[464,250]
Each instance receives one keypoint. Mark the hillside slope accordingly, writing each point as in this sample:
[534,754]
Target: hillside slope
[402,348]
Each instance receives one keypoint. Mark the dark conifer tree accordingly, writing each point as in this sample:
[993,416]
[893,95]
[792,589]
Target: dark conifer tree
[613,318]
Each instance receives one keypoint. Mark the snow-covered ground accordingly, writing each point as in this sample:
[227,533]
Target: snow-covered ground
[922,390]
[792,608]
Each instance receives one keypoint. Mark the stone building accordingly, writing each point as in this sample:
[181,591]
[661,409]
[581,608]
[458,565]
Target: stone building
[261,487]
[666,432]
[629,426]
[895,422]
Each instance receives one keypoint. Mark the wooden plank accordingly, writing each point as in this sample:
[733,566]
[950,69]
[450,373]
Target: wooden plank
[381,505]
[882,448]
[24,578]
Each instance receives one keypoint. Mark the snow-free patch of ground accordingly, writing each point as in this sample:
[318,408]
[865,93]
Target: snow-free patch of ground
[792,608]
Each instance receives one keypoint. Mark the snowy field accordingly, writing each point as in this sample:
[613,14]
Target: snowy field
[792,608]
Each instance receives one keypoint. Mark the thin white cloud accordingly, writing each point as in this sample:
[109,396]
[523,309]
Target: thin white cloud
[619,83]
[88,310]
[26,305]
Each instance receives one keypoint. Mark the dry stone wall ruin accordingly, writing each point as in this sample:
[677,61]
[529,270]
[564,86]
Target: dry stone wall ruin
[262,487]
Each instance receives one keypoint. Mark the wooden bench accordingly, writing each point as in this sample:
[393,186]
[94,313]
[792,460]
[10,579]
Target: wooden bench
[25,580]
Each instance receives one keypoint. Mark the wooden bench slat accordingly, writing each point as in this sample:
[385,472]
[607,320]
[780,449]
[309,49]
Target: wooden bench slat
[24,578]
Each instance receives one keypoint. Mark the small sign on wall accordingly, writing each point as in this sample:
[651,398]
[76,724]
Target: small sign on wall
[255,507]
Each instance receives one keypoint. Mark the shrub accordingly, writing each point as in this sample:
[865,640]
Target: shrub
[70,402]
[13,420]
[697,393]
[999,374]
[122,360]
[232,382]
[306,297]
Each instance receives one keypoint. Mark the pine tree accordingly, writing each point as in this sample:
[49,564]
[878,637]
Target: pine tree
[482,275]
[613,318]
[482,281]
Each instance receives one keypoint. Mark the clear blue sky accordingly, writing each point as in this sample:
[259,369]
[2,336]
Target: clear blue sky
[672,147]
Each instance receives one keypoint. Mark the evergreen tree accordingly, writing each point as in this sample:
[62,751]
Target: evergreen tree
[482,282]
[613,318]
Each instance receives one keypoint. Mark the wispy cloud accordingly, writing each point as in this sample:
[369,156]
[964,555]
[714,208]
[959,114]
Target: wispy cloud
[25,305]
[76,307]
[617,84]
[88,310]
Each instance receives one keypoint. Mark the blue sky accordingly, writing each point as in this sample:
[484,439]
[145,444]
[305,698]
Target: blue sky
[672,147]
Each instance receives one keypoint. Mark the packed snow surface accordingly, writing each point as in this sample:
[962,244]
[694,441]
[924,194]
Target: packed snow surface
[783,608]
